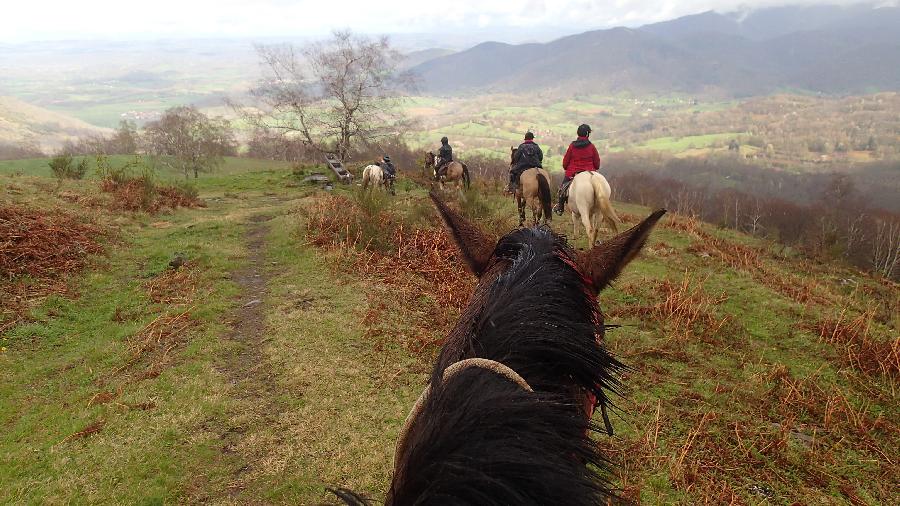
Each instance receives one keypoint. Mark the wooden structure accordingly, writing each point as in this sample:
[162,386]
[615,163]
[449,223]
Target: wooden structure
[343,175]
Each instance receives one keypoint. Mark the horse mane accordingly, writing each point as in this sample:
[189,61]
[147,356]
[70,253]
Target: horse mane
[484,440]
[534,312]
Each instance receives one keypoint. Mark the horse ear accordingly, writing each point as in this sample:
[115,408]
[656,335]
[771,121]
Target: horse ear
[475,246]
[604,262]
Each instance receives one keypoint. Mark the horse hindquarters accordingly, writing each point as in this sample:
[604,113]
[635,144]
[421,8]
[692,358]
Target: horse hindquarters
[603,194]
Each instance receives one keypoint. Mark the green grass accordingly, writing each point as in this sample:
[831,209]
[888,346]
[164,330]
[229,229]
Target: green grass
[323,401]
[679,144]
[72,350]
[232,166]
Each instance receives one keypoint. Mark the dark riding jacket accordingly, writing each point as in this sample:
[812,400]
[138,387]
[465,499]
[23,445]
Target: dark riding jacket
[445,153]
[388,168]
[528,155]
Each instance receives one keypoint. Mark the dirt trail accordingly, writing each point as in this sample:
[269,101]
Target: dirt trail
[246,367]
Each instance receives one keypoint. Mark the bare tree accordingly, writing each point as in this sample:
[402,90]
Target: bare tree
[332,94]
[886,247]
[187,140]
[125,140]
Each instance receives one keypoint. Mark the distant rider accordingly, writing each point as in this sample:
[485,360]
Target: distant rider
[390,172]
[528,155]
[581,156]
[445,156]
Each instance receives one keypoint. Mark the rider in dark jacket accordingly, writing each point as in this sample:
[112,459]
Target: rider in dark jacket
[581,156]
[445,156]
[527,156]
[387,167]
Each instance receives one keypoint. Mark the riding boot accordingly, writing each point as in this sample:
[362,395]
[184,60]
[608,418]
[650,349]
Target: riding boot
[512,186]
[560,204]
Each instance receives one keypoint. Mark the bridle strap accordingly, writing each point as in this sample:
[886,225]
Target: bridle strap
[450,372]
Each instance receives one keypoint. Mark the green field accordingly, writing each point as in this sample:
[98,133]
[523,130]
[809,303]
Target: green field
[490,125]
[292,374]
[679,144]
[232,166]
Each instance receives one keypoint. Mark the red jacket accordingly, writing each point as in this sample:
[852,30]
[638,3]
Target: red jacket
[581,156]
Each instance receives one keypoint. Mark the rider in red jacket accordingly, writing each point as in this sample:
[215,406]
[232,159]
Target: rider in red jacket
[581,156]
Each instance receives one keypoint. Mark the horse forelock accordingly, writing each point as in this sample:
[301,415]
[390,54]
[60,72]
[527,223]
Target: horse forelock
[534,310]
[485,440]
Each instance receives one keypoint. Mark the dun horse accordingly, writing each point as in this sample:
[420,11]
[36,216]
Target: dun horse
[533,191]
[456,172]
[506,418]
[589,201]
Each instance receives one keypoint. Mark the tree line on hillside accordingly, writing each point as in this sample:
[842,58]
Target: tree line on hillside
[824,215]
[798,128]
[183,139]
[26,148]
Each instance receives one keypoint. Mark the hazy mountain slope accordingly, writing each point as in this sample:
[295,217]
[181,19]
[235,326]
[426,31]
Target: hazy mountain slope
[615,59]
[415,58]
[822,48]
[20,121]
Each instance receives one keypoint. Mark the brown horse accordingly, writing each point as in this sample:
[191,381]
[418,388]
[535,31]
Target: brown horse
[526,356]
[506,417]
[456,172]
[533,191]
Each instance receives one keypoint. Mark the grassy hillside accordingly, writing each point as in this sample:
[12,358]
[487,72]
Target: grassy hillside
[284,356]
[811,134]
[20,121]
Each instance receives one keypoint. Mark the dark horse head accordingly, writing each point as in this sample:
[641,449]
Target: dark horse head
[480,438]
[429,159]
[512,155]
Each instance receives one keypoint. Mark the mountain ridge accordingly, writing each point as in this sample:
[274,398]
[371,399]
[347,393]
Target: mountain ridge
[700,53]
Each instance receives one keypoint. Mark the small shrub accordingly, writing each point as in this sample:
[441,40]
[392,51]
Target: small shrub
[858,348]
[64,167]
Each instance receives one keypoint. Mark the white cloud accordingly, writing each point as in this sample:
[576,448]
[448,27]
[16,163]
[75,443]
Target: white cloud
[120,19]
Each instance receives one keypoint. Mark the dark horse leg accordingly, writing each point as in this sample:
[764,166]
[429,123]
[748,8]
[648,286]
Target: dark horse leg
[520,203]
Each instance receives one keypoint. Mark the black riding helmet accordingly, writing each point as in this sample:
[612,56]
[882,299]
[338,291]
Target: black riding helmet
[584,130]
[444,140]
[386,158]
[529,136]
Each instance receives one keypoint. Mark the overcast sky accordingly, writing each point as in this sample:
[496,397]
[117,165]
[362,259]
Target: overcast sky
[29,20]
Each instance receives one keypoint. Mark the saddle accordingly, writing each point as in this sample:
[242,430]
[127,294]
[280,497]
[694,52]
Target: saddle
[564,188]
[441,168]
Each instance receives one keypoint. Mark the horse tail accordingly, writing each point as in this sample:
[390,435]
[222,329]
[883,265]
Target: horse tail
[546,198]
[467,181]
[609,214]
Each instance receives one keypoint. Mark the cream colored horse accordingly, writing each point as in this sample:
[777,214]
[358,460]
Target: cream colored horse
[589,201]
[373,175]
